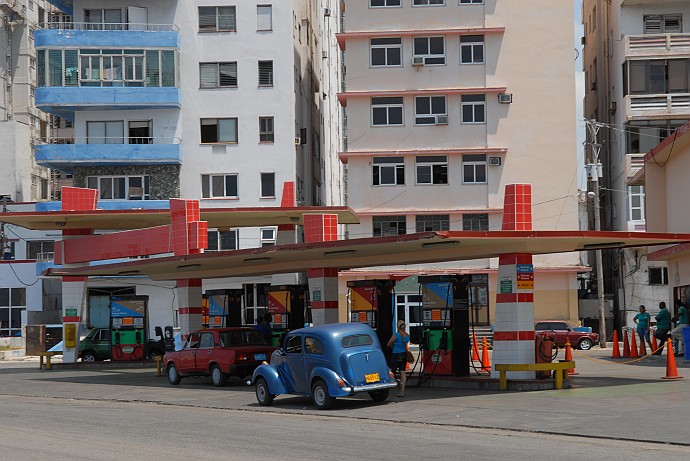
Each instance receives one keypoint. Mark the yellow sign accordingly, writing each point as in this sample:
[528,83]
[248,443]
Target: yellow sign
[525,285]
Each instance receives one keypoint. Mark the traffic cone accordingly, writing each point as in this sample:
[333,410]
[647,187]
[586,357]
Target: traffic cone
[475,349]
[616,349]
[671,370]
[643,348]
[633,346]
[626,345]
[655,345]
[569,357]
[486,363]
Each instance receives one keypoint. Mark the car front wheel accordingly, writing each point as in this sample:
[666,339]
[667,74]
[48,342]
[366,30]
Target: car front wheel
[263,395]
[218,377]
[585,344]
[320,397]
[173,376]
[379,396]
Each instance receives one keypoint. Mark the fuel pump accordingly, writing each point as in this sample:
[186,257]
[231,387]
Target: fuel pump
[214,310]
[445,315]
[128,326]
[371,302]
[287,304]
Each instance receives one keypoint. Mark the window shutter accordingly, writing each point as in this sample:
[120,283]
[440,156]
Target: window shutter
[226,18]
[113,17]
[652,24]
[167,68]
[227,74]
[208,75]
[672,24]
[152,68]
[266,73]
[207,18]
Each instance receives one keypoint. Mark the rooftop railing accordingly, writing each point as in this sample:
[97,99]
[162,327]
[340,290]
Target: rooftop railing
[122,26]
[96,140]
[657,44]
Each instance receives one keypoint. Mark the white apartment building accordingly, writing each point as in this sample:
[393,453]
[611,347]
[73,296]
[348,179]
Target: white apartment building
[228,102]
[636,62]
[446,102]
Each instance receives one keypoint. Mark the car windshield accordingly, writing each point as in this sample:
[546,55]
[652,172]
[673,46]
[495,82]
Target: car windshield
[241,338]
[357,340]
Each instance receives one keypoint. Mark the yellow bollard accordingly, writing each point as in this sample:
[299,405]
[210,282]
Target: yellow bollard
[159,368]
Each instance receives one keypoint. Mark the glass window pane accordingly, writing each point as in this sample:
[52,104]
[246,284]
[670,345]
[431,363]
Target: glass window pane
[227,130]
[395,115]
[226,18]
[218,186]
[231,186]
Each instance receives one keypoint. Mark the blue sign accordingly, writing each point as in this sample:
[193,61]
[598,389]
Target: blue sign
[524,268]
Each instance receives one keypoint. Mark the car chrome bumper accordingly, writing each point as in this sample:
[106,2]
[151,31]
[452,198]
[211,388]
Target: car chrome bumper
[371,387]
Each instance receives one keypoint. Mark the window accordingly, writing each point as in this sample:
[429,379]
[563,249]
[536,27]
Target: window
[120,187]
[636,203]
[428,2]
[110,132]
[432,222]
[387,111]
[644,135]
[474,169]
[386,52]
[12,306]
[432,169]
[266,129]
[389,171]
[658,276]
[430,110]
[389,225]
[473,2]
[293,345]
[473,108]
[256,302]
[658,76]
[663,23]
[193,341]
[218,75]
[219,186]
[431,49]
[356,340]
[475,222]
[218,130]
[472,49]
[268,236]
[265,73]
[268,185]
[222,240]
[39,249]
[103,19]
[206,341]
[313,346]
[383,3]
[264,17]
[217,19]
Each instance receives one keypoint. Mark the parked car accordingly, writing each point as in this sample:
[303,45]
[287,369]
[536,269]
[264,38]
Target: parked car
[96,346]
[562,333]
[218,353]
[325,362]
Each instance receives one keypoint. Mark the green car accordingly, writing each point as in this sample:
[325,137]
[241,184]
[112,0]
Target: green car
[95,346]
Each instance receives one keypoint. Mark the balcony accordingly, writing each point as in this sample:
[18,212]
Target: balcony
[657,45]
[657,106]
[633,164]
[115,35]
[66,153]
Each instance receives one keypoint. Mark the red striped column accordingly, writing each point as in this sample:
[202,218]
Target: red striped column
[189,305]
[74,298]
[286,232]
[514,321]
[323,283]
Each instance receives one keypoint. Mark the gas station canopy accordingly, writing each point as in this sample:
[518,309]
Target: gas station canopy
[139,219]
[426,247]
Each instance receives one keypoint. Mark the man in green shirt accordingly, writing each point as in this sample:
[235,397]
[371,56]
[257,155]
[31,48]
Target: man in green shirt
[663,326]
[681,320]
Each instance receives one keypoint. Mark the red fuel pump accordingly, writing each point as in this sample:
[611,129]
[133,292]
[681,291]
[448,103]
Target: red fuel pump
[544,352]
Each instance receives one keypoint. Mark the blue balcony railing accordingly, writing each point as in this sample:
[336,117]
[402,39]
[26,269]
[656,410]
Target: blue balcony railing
[119,35]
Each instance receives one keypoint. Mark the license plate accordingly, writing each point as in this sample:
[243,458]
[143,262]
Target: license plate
[259,356]
[371,378]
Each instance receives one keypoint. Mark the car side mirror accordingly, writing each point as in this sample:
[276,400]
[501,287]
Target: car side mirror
[281,352]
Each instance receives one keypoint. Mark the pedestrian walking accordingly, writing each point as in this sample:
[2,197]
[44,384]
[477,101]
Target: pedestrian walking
[663,326]
[681,320]
[398,361]
[642,320]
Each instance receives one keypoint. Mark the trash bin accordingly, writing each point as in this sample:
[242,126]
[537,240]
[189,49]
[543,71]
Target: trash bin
[686,342]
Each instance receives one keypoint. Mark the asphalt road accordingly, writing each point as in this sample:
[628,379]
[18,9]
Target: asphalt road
[38,428]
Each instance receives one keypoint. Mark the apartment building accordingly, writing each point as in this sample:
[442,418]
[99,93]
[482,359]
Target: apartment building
[226,102]
[638,87]
[446,102]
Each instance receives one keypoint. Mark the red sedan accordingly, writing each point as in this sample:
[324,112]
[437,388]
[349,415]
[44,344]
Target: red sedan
[218,353]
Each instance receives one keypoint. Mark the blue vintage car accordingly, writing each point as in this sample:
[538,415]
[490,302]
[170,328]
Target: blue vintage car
[325,362]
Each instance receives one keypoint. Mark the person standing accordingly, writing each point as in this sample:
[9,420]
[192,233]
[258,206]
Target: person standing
[398,361]
[663,326]
[681,320]
[642,320]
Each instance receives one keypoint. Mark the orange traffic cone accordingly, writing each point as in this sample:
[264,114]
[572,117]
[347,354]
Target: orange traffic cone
[626,345]
[633,346]
[486,363]
[671,370]
[569,357]
[655,345]
[475,349]
[643,348]
[616,349]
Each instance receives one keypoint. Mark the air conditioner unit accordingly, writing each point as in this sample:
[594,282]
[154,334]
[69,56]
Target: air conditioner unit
[326,11]
[495,161]
[505,98]
[298,140]
[442,120]
[417,60]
